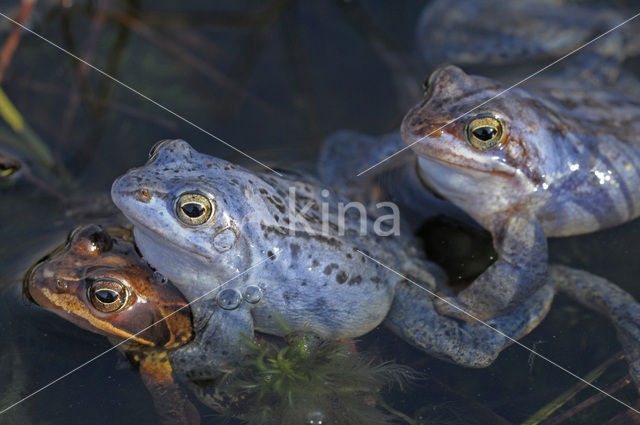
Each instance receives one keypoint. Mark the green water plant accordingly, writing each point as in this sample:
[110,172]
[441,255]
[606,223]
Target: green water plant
[308,381]
[27,141]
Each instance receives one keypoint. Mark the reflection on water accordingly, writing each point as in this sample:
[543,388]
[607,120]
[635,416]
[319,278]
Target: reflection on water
[273,79]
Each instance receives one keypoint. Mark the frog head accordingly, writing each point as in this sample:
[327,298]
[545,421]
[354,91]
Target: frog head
[187,210]
[488,160]
[99,282]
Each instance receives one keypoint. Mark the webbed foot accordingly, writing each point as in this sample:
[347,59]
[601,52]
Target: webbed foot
[414,318]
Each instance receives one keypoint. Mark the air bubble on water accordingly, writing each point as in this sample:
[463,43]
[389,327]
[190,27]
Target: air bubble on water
[315,418]
[229,299]
[252,294]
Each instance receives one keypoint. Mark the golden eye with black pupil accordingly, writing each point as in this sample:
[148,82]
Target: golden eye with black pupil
[108,295]
[484,132]
[194,208]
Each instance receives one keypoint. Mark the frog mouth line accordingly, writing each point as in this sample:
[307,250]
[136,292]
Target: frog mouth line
[440,160]
[180,247]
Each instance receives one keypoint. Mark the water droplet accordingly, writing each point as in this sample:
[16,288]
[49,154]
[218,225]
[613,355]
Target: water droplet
[229,299]
[315,418]
[252,294]
[159,278]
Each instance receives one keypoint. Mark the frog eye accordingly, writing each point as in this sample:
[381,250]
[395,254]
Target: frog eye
[100,241]
[108,295]
[89,239]
[194,208]
[484,132]
[8,168]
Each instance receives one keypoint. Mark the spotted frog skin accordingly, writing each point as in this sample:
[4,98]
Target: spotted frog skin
[527,33]
[303,280]
[98,281]
[526,166]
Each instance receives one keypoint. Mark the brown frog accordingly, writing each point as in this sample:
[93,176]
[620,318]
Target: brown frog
[98,281]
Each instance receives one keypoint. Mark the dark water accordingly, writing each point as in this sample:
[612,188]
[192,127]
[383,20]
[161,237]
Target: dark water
[273,79]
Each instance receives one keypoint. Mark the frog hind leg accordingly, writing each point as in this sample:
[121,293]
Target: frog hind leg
[607,299]
[600,63]
[414,318]
[220,342]
[172,405]
[346,153]
[521,269]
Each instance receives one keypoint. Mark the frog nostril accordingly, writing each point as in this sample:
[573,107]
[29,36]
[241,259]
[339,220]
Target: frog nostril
[143,195]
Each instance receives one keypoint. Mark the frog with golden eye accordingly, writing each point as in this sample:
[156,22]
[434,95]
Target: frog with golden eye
[181,200]
[98,281]
[552,160]
[556,159]
[222,234]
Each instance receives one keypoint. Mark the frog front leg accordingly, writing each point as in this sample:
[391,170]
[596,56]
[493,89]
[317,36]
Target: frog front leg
[521,268]
[414,318]
[219,344]
[607,299]
[173,406]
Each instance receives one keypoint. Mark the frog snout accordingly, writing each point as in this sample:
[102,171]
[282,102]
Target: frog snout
[40,284]
[126,187]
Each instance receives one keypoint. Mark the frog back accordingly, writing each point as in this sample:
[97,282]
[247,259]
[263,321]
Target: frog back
[596,138]
[317,278]
[524,36]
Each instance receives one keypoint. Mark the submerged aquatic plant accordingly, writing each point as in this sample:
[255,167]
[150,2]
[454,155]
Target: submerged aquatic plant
[309,381]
